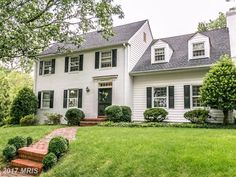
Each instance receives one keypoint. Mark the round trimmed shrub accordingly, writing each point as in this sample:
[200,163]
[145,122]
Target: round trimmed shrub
[29,140]
[24,104]
[49,161]
[73,116]
[155,114]
[18,142]
[114,113]
[126,114]
[197,116]
[28,120]
[54,118]
[58,146]
[9,152]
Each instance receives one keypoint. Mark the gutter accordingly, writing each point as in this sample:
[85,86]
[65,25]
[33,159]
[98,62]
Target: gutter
[139,73]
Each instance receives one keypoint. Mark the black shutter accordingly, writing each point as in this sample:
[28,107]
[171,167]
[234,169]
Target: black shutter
[171,97]
[97,59]
[149,97]
[66,64]
[39,100]
[65,99]
[40,67]
[51,98]
[187,96]
[81,62]
[53,66]
[80,95]
[114,57]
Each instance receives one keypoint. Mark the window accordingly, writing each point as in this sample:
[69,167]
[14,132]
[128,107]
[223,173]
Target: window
[196,96]
[106,59]
[74,64]
[46,99]
[159,54]
[47,69]
[160,97]
[105,84]
[144,37]
[198,49]
[72,98]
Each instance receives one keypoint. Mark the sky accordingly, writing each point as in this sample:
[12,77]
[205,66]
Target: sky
[171,17]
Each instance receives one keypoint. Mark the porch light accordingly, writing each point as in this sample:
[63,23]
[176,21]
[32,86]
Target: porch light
[87,89]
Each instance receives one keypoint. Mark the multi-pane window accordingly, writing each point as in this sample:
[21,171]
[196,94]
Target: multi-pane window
[159,54]
[47,69]
[106,59]
[46,99]
[160,97]
[196,102]
[72,98]
[74,64]
[198,49]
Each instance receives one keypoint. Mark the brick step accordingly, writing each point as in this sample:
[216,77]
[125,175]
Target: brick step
[28,166]
[102,117]
[94,119]
[88,123]
[31,153]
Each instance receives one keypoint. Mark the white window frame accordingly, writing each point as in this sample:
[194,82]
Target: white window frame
[42,100]
[105,57]
[158,55]
[167,97]
[49,69]
[192,96]
[68,98]
[204,49]
[75,65]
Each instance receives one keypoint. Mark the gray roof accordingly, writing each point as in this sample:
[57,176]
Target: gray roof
[219,44]
[94,40]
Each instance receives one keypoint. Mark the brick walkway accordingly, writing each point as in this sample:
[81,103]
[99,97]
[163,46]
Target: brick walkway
[38,150]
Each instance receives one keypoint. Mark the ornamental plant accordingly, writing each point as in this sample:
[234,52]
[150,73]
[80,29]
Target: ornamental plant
[219,87]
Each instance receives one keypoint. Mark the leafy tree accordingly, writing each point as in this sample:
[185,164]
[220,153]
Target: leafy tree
[24,104]
[219,86]
[29,26]
[218,23]
[4,97]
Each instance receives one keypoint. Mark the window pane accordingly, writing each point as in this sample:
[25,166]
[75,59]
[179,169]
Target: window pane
[73,93]
[106,54]
[47,67]
[196,90]
[73,102]
[196,102]
[160,54]
[46,100]
[160,92]
[198,46]
[74,64]
[106,59]
[160,102]
[46,95]
[198,49]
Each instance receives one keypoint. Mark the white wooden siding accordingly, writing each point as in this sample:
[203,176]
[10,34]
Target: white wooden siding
[61,81]
[176,79]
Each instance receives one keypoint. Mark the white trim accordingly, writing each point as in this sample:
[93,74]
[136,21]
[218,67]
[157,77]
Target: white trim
[167,96]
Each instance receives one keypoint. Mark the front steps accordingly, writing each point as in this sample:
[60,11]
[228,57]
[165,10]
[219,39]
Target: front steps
[29,161]
[92,121]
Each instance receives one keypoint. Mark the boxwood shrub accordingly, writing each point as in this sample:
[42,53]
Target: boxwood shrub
[29,140]
[155,114]
[18,142]
[198,116]
[114,113]
[126,114]
[58,146]
[28,120]
[49,161]
[9,152]
[73,116]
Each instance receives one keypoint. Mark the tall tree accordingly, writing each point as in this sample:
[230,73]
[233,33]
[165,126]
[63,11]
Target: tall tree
[219,86]
[219,22]
[29,26]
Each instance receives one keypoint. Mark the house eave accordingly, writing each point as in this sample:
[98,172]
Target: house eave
[183,69]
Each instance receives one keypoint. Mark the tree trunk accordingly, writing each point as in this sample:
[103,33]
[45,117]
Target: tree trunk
[226,115]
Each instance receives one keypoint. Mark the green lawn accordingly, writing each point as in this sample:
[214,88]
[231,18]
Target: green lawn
[138,152]
[36,132]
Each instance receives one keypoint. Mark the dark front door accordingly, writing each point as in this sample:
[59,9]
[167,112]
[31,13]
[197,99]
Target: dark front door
[104,100]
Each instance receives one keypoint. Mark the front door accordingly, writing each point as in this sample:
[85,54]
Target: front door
[104,100]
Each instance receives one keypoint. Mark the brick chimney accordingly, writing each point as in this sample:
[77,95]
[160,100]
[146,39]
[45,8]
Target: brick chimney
[231,24]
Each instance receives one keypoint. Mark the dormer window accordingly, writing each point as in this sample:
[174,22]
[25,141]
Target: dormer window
[198,49]
[160,54]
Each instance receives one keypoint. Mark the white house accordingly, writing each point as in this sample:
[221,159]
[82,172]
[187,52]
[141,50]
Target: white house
[131,69]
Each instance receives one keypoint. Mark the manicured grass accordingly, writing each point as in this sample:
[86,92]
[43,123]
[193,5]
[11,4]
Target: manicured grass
[36,132]
[115,151]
